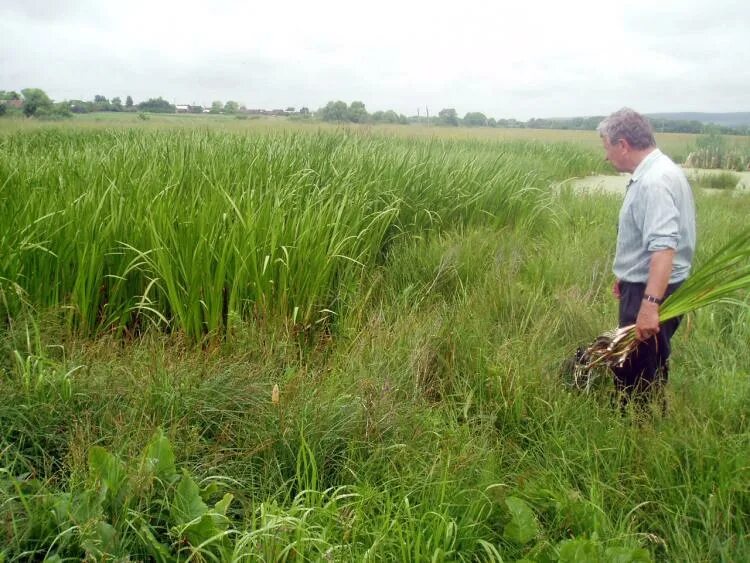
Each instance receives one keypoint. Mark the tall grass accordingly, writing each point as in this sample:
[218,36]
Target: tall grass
[432,426]
[715,180]
[713,150]
[193,230]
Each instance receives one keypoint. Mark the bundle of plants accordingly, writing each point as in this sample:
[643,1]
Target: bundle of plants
[719,280]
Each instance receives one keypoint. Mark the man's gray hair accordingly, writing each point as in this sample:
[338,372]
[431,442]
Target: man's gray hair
[629,125]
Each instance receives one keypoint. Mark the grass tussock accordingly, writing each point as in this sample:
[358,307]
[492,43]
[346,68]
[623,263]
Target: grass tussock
[192,231]
[715,180]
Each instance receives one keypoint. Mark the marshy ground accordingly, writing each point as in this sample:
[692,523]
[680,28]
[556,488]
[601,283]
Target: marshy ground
[616,183]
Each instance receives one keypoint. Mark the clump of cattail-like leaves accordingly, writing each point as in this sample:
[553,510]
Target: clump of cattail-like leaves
[719,280]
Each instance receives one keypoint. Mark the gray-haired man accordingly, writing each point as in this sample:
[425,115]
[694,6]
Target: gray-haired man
[655,246]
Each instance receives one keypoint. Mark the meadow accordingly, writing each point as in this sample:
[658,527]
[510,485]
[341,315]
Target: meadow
[257,341]
[677,145]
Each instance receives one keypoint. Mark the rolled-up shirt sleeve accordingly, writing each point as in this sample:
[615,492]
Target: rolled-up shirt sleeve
[661,220]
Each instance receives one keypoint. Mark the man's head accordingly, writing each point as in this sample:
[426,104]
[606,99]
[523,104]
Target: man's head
[627,137]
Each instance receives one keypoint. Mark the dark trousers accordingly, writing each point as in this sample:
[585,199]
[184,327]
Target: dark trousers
[644,373]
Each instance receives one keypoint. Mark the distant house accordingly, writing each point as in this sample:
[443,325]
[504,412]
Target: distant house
[17,104]
[182,108]
[273,112]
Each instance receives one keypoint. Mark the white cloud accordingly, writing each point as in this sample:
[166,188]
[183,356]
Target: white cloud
[506,59]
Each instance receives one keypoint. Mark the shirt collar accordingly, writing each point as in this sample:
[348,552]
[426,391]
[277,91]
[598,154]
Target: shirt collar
[643,166]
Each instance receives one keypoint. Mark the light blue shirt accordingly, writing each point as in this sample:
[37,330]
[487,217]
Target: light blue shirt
[658,213]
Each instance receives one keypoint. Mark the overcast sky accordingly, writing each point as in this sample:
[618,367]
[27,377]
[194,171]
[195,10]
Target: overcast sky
[521,59]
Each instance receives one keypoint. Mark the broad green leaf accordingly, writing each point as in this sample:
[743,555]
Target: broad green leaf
[107,534]
[100,540]
[158,550]
[627,555]
[85,507]
[223,504]
[200,532]
[192,517]
[61,508]
[210,490]
[108,469]
[523,526]
[159,457]
[188,504]
[580,551]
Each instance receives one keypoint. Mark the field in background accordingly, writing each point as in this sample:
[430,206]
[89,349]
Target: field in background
[677,145]
[283,342]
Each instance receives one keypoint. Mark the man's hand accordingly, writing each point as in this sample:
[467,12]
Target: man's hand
[616,289]
[647,322]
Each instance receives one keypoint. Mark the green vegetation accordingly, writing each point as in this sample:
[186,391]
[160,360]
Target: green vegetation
[31,102]
[194,231]
[677,146]
[712,150]
[339,112]
[723,180]
[475,119]
[712,125]
[156,105]
[35,100]
[423,418]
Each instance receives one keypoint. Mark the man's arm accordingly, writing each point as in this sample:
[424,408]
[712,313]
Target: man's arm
[660,269]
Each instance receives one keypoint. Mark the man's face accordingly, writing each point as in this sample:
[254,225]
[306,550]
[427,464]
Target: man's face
[616,153]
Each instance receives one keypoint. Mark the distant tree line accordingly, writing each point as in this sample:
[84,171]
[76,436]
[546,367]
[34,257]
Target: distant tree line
[101,103]
[31,102]
[35,102]
[340,112]
[660,125]
[357,113]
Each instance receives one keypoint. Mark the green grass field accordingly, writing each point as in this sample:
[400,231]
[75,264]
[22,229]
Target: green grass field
[262,341]
[677,145]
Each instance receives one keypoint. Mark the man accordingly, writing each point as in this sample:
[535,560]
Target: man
[655,246]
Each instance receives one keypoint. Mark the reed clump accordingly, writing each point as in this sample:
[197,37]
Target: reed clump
[193,230]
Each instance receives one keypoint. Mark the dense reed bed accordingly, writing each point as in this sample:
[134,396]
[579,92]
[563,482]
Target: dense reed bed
[193,230]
